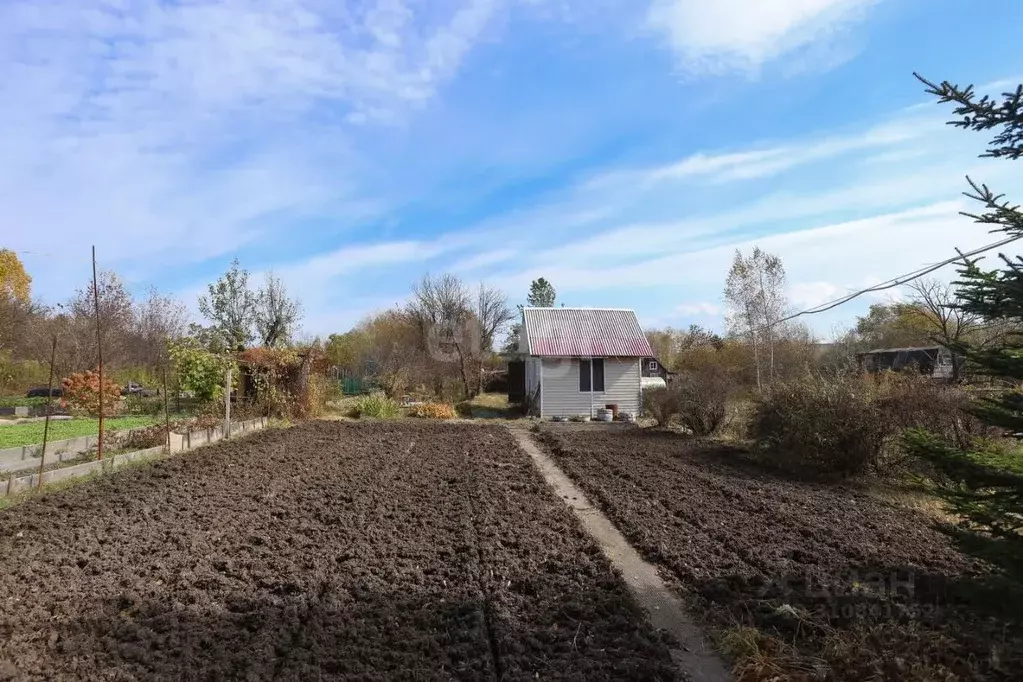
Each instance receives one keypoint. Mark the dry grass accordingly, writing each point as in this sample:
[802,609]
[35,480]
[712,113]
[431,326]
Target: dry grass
[759,657]
[432,411]
[913,498]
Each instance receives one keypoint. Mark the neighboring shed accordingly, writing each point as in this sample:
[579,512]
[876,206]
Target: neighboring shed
[578,360]
[653,368]
[932,361]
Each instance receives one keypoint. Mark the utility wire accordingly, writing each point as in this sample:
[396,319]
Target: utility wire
[896,281]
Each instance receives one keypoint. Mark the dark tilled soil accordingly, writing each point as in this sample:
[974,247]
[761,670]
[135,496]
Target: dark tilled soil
[328,551]
[875,591]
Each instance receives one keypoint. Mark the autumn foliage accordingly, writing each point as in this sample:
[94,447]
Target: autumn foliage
[81,393]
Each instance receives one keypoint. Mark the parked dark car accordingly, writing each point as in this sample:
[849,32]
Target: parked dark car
[40,392]
[132,388]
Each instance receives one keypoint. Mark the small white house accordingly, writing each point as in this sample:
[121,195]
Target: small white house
[579,360]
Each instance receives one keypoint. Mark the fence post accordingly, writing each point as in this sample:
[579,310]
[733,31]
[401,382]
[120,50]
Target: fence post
[166,408]
[227,405]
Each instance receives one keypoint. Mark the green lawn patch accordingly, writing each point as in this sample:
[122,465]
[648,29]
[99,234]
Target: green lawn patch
[30,433]
[22,401]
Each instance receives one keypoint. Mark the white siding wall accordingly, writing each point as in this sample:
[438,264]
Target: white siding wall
[562,397]
[532,382]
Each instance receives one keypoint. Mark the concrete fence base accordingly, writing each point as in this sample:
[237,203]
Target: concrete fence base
[69,447]
[179,442]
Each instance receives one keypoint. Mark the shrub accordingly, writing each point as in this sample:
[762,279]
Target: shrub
[137,405]
[141,439]
[697,399]
[20,375]
[433,411]
[821,426]
[660,404]
[375,406]
[199,370]
[22,401]
[81,394]
[913,401]
[702,398]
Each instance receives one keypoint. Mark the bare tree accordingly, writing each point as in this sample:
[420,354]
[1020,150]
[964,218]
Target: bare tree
[117,312]
[755,293]
[949,324]
[492,314]
[276,314]
[157,318]
[440,308]
[457,324]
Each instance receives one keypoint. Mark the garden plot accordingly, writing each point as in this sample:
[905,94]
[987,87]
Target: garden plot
[327,551]
[847,587]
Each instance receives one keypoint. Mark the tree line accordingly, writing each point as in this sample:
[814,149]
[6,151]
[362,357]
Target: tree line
[441,342]
[134,330]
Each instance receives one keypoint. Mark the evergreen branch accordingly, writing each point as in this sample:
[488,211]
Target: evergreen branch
[985,114]
[1005,215]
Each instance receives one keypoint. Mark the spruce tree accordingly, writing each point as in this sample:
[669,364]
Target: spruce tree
[984,484]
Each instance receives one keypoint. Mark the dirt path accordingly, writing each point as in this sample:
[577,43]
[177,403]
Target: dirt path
[695,656]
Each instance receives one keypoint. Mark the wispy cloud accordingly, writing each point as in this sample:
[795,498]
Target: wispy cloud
[738,35]
[769,160]
[171,132]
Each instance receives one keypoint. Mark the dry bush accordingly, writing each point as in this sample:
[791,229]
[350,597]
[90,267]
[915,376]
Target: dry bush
[845,425]
[141,439]
[915,401]
[821,426]
[912,401]
[660,404]
[320,391]
[433,411]
[696,398]
[702,398]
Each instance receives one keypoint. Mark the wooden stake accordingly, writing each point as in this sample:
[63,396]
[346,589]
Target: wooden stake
[49,400]
[227,404]
[99,354]
[166,407]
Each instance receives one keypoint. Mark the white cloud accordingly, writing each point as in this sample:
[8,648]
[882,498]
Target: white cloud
[695,309]
[768,161]
[482,260]
[172,133]
[811,294]
[742,35]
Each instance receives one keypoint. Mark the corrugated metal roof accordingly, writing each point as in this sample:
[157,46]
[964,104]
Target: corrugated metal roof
[908,349]
[584,332]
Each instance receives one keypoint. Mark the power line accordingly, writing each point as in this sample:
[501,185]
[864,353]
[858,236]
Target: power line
[896,281]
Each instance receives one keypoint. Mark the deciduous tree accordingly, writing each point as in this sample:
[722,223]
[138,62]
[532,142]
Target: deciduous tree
[755,294]
[15,283]
[230,306]
[276,314]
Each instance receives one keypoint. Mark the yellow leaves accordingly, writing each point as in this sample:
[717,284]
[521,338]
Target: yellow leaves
[15,283]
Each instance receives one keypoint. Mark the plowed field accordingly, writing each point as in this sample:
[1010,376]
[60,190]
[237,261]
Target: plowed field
[327,551]
[847,586]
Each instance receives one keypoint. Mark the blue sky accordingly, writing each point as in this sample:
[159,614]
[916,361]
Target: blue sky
[621,148]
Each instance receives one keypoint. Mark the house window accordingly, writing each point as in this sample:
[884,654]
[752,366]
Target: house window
[652,366]
[597,373]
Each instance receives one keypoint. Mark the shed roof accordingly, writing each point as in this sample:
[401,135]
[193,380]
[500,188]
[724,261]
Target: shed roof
[584,332]
[909,349]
